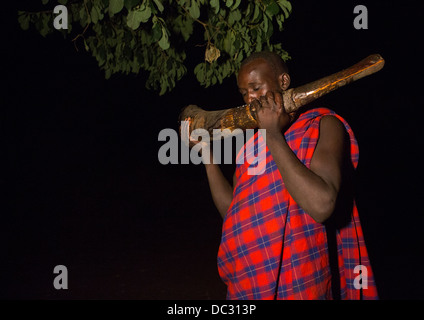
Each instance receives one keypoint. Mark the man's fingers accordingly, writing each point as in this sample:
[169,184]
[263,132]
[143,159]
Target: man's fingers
[279,101]
[186,136]
[270,95]
[185,130]
[268,101]
[270,98]
[264,102]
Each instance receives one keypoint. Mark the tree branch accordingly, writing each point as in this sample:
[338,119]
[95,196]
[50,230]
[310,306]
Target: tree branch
[85,29]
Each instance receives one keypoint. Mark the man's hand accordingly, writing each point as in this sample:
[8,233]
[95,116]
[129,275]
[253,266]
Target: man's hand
[271,113]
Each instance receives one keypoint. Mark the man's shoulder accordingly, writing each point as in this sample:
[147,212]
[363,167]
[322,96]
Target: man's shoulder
[305,118]
[316,112]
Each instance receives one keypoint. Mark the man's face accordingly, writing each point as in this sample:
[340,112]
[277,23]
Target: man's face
[255,79]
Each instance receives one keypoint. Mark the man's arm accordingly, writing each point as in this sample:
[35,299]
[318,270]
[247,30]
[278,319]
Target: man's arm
[315,189]
[221,190]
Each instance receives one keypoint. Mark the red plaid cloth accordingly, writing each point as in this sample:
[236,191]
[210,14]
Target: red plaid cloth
[271,248]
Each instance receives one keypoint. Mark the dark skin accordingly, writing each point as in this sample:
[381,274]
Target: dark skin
[315,189]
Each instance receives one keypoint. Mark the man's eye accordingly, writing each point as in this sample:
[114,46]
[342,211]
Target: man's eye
[256,89]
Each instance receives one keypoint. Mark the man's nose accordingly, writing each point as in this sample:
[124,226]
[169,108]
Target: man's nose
[252,96]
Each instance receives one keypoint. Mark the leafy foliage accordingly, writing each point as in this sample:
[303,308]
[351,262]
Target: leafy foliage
[153,35]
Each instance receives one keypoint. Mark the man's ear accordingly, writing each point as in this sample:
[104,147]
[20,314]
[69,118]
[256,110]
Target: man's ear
[284,81]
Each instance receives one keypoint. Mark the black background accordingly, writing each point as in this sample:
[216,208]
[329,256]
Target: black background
[82,185]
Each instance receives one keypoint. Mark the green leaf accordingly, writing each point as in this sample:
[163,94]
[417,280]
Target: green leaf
[135,17]
[44,1]
[286,6]
[156,32]
[83,16]
[232,40]
[270,30]
[145,14]
[133,20]
[186,28]
[23,20]
[257,13]
[86,46]
[43,24]
[94,14]
[236,5]
[199,71]
[229,3]
[273,9]
[215,4]
[159,5]
[194,10]
[115,6]
[164,42]
[62,1]
[234,16]
[108,73]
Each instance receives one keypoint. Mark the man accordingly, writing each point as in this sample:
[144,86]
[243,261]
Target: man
[292,232]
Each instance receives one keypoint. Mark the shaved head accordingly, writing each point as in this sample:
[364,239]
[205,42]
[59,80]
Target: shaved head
[273,59]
